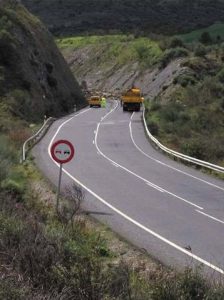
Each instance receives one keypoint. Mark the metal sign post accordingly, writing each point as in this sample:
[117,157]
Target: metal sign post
[59,188]
[62,152]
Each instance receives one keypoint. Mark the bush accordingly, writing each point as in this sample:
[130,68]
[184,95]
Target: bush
[220,75]
[170,112]
[222,104]
[153,128]
[10,290]
[176,42]
[185,286]
[200,50]
[8,54]
[155,106]
[185,80]
[172,54]
[11,231]
[7,157]
[205,38]
[194,148]
[13,188]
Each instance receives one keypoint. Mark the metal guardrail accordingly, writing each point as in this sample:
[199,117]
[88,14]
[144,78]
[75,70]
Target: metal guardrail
[29,143]
[180,155]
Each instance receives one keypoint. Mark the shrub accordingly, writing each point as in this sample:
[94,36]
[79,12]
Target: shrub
[13,188]
[205,38]
[18,136]
[7,157]
[52,81]
[194,148]
[155,106]
[10,290]
[222,104]
[170,112]
[8,53]
[153,128]
[185,286]
[176,42]
[11,230]
[220,75]
[185,80]
[200,50]
[172,54]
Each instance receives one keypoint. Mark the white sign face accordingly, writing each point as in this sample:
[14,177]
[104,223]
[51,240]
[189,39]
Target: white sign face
[62,151]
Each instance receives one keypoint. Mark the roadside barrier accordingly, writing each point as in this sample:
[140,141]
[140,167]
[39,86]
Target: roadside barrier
[29,143]
[180,155]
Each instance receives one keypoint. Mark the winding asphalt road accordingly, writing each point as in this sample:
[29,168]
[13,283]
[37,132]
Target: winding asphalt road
[174,212]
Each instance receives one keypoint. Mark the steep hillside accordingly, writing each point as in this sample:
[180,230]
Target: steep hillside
[113,63]
[70,17]
[35,79]
[182,85]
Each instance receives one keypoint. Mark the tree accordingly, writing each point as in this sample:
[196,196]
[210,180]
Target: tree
[205,38]
[176,42]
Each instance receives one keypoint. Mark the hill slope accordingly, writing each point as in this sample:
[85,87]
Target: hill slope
[68,17]
[33,74]
[183,93]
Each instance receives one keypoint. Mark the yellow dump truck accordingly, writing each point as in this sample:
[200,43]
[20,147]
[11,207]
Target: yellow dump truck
[95,101]
[132,99]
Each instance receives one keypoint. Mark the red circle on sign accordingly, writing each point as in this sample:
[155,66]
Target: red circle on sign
[61,155]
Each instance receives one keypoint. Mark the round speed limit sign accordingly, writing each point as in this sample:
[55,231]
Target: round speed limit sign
[62,151]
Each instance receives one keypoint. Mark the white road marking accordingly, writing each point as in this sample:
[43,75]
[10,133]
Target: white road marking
[169,166]
[93,142]
[138,176]
[155,187]
[175,246]
[115,165]
[108,123]
[211,217]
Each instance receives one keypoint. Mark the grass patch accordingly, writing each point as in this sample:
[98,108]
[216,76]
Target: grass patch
[215,30]
[119,48]
[192,122]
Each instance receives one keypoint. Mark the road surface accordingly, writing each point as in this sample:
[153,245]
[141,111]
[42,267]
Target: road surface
[174,212]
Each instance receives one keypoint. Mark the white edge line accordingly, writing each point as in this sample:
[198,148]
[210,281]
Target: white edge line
[155,187]
[116,165]
[211,217]
[136,175]
[206,263]
[164,164]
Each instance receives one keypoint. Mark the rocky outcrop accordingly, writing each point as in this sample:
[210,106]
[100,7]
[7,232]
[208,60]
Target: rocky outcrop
[115,79]
[35,79]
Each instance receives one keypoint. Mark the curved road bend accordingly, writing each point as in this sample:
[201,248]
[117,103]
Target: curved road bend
[174,212]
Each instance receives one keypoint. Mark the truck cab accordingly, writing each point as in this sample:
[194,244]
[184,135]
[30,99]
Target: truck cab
[95,101]
[132,99]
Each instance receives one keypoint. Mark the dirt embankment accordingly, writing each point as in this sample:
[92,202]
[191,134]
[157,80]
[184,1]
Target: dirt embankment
[114,78]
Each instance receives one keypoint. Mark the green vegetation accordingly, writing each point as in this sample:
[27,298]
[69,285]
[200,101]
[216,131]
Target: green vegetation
[120,49]
[138,17]
[44,255]
[49,255]
[191,120]
[216,31]
[39,81]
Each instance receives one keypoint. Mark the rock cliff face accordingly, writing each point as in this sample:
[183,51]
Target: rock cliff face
[34,77]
